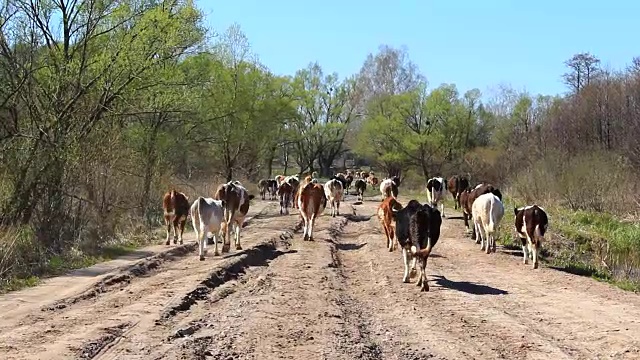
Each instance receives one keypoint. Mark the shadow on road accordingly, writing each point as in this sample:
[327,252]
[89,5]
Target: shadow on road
[468,287]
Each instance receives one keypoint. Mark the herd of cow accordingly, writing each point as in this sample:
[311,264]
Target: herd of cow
[415,227]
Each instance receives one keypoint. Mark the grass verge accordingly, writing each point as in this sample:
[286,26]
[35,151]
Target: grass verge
[25,263]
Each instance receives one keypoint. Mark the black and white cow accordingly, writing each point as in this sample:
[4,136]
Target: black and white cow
[436,190]
[417,232]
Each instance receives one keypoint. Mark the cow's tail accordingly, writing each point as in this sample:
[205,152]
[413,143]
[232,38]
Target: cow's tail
[423,253]
[196,211]
[491,225]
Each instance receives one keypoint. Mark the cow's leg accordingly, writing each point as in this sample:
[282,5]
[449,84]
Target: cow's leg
[312,223]
[167,221]
[466,221]
[525,253]
[238,228]
[200,237]
[176,221]
[182,224]
[226,240]
[423,275]
[536,253]
[442,207]
[406,257]
[207,239]
[216,240]
[338,207]
[305,228]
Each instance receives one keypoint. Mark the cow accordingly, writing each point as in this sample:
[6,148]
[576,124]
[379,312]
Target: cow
[360,186]
[372,180]
[298,188]
[389,187]
[333,190]
[285,191]
[311,203]
[456,185]
[436,191]
[176,208]
[386,219]
[417,232]
[263,184]
[272,189]
[364,174]
[348,182]
[467,198]
[207,215]
[487,212]
[531,224]
[236,200]
[294,181]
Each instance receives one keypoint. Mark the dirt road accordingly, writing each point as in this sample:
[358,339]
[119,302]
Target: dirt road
[339,297]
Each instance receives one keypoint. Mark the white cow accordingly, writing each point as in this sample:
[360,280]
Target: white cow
[487,212]
[333,191]
[389,187]
[436,190]
[207,215]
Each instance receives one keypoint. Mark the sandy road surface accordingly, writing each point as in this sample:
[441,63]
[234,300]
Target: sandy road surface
[339,297]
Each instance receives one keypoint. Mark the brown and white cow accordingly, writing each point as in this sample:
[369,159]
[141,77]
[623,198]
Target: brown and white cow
[236,206]
[285,192]
[386,219]
[333,191]
[372,180]
[456,185]
[279,179]
[294,181]
[311,203]
[531,224]
[467,198]
[298,188]
[389,187]
[176,208]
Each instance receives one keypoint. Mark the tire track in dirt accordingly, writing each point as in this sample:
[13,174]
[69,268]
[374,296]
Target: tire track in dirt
[58,334]
[296,307]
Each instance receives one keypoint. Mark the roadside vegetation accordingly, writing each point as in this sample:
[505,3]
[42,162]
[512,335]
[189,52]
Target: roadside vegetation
[105,105]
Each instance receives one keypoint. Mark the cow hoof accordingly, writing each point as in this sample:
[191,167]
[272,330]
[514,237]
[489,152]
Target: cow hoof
[181,243]
[168,242]
[226,248]
[216,253]
[310,238]
[201,257]
[405,280]
[425,288]
[175,242]
[535,266]
[238,247]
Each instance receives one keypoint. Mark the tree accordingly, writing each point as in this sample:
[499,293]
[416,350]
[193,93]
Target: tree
[583,68]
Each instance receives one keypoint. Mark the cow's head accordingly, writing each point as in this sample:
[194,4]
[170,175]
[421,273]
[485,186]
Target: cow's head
[515,211]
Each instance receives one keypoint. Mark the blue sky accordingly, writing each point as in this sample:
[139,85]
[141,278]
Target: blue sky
[469,43]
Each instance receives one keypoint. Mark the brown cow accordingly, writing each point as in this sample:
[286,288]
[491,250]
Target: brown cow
[176,208]
[311,203]
[456,185]
[236,206]
[469,196]
[284,193]
[385,216]
[531,224]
